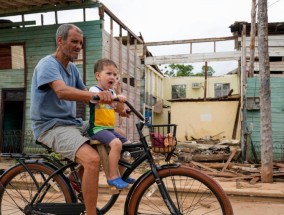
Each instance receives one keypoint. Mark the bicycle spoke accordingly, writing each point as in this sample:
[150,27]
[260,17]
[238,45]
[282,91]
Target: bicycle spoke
[18,189]
[189,191]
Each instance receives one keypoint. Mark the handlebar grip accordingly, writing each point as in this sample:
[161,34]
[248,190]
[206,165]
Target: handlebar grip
[97,98]
[138,114]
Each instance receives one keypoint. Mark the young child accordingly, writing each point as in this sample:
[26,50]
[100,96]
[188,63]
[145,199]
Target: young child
[102,119]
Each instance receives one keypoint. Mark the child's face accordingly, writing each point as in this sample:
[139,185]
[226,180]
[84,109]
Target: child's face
[107,77]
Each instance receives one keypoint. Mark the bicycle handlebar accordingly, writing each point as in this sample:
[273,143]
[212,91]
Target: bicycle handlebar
[138,114]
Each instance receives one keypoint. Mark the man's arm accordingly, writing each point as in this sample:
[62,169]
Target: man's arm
[72,94]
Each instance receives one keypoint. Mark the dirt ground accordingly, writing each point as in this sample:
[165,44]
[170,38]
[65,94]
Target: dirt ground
[241,206]
[246,199]
[258,199]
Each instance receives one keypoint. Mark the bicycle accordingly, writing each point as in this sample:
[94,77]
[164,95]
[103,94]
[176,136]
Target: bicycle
[38,184]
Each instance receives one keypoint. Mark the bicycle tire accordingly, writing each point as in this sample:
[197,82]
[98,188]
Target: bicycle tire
[17,188]
[191,191]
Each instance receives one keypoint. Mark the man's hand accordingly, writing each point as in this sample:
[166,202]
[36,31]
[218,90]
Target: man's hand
[106,97]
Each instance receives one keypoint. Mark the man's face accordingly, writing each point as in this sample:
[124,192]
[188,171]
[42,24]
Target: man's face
[72,45]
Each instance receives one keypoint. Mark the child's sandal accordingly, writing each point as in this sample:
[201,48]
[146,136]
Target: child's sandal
[118,183]
[130,180]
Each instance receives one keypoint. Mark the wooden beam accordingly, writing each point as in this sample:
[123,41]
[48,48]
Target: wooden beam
[16,24]
[193,58]
[201,40]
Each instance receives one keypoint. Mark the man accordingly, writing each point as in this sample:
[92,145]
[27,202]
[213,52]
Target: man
[56,86]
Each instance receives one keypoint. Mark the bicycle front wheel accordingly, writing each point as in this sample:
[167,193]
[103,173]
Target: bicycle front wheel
[191,191]
[18,188]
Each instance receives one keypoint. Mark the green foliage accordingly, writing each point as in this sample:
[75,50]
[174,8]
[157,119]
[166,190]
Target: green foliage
[181,70]
[210,71]
[178,70]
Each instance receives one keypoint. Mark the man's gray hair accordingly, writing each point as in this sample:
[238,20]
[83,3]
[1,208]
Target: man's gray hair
[63,30]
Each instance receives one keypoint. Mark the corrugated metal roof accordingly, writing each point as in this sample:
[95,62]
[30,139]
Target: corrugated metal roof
[22,6]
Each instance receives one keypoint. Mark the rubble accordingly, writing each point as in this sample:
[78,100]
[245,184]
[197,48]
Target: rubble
[219,158]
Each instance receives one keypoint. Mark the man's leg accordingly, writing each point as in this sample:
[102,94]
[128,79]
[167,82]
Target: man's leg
[90,160]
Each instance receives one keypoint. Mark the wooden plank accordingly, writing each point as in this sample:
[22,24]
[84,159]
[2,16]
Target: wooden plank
[274,66]
[221,174]
[272,51]
[234,151]
[277,40]
[105,163]
[192,58]
[203,166]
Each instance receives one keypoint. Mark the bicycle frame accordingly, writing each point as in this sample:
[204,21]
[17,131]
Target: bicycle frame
[145,155]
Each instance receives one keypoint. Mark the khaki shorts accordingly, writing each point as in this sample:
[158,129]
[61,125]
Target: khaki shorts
[65,140]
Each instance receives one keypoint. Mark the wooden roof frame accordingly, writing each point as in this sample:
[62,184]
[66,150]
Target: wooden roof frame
[17,7]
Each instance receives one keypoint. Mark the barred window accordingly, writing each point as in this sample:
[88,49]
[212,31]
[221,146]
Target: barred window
[221,89]
[178,91]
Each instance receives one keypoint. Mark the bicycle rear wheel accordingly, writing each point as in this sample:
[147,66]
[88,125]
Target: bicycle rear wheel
[17,188]
[191,191]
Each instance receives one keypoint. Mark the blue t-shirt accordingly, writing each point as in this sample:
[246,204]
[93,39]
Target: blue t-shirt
[47,110]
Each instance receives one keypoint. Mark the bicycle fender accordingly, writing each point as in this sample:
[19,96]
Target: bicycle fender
[143,177]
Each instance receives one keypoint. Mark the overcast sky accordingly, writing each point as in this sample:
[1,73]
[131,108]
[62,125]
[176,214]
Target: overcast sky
[163,20]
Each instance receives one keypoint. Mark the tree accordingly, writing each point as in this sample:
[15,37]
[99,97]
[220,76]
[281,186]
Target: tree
[210,71]
[178,70]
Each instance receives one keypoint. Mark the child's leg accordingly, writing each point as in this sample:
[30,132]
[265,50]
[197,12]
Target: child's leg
[114,156]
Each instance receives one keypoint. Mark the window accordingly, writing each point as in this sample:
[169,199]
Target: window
[80,59]
[11,57]
[221,89]
[178,91]
[131,81]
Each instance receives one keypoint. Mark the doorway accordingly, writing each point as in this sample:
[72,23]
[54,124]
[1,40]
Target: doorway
[12,124]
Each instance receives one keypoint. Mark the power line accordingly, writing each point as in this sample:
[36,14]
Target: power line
[274,3]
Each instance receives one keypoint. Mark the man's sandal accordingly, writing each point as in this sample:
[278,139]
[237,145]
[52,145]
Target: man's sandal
[118,183]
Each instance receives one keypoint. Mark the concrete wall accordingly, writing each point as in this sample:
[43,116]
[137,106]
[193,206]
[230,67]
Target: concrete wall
[202,119]
[195,93]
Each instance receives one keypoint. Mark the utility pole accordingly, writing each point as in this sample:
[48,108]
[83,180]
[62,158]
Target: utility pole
[265,95]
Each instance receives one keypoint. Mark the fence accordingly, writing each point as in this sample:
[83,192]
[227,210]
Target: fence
[16,141]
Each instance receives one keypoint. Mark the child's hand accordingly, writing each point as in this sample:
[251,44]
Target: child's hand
[125,113]
[121,98]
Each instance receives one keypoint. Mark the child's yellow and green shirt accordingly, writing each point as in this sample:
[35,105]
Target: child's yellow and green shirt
[102,116]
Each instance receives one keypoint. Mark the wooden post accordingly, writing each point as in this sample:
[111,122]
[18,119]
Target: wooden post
[103,152]
[252,38]
[265,98]
[205,81]
[243,85]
